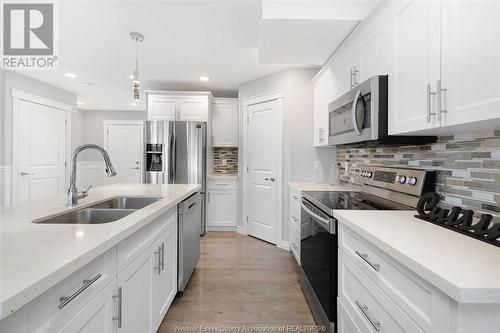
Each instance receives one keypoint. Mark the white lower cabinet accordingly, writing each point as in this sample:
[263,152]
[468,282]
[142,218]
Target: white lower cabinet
[376,293]
[294,223]
[222,205]
[128,289]
[95,316]
[165,278]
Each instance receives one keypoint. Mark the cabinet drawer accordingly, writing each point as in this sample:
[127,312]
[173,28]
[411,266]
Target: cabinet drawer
[134,245]
[345,323]
[294,208]
[371,309]
[48,314]
[420,300]
[295,241]
[222,185]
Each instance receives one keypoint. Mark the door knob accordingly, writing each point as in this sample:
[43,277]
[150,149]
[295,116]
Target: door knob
[272,179]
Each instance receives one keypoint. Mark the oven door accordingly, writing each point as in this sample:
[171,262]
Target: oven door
[318,255]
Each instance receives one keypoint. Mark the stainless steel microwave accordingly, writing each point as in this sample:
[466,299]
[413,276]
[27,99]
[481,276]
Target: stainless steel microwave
[361,116]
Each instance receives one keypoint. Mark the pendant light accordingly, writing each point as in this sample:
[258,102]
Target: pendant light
[137,37]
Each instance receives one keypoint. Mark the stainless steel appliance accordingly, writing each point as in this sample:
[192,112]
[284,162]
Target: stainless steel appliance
[189,217]
[176,153]
[361,116]
[383,188]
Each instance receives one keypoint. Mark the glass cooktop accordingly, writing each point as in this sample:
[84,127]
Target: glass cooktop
[328,201]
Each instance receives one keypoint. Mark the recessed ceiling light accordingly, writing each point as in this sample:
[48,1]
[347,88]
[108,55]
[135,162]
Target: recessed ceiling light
[70,75]
[80,103]
[204,78]
[133,104]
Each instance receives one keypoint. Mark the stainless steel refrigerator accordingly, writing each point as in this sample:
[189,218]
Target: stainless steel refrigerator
[176,153]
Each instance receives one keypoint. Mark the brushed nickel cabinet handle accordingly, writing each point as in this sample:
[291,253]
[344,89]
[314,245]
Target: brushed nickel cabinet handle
[119,297]
[364,309]
[65,300]
[439,102]
[364,256]
[158,267]
[162,262]
[429,103]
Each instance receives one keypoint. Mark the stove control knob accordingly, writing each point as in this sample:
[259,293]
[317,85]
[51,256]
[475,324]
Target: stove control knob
[401,179]
[412,181]
[369,174]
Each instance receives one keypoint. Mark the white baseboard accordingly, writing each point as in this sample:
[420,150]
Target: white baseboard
[241,230]
[221,228]
[284,245]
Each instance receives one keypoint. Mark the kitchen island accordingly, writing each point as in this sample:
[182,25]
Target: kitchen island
[37,258]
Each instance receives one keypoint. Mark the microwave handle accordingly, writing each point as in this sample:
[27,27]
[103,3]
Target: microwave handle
[353,112]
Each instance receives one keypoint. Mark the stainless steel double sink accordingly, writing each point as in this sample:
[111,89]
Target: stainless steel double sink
[102,212]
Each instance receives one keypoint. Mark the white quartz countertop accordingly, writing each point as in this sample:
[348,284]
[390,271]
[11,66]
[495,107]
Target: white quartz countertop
[465,269]
[35,257]
[313,186]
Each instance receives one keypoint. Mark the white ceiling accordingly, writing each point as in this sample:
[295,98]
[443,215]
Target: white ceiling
[183,40]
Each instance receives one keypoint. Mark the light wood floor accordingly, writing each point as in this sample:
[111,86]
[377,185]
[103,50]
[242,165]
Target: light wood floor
[240,281]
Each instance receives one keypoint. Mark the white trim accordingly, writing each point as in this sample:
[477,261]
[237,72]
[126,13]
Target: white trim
[18,96]
[22,95]
[241,230]
[272,96]
[105,124]
[261,98]
[285,246]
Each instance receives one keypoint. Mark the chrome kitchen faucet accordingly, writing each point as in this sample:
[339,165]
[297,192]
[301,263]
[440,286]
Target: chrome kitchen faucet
[73,194]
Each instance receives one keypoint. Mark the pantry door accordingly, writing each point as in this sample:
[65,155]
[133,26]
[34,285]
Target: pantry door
[41,149]
[123,140]
[263,177]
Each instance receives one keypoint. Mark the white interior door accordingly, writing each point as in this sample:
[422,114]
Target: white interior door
[41,151]
[124,143]
[263,140]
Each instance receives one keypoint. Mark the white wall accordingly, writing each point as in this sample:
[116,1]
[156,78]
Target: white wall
[92,129]
[299,154]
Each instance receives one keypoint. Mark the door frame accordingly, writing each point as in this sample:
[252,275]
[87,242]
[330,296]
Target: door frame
[105,123]
[252,100]
[20,96]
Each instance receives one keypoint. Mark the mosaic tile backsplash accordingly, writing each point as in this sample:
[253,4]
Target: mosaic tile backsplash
[467,167]
[231,157]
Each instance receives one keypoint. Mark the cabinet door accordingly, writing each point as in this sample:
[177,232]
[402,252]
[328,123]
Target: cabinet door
[225,123]
[470,61]
[96,316]
[377,51]
[222,207]
[348,73]
[165,279]
[161,108]
[136,283]
[416,65]
[195,109]
[324,93]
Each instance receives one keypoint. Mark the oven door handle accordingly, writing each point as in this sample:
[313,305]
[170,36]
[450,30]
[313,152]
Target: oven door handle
[324,222]
[353,112]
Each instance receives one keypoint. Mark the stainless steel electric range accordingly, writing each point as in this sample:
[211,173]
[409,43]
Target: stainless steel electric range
[383,188]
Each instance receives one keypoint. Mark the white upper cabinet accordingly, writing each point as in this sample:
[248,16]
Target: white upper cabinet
[412,86]
[162,108]
[225,122]
[470,61]
[324,92]
[185,106]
